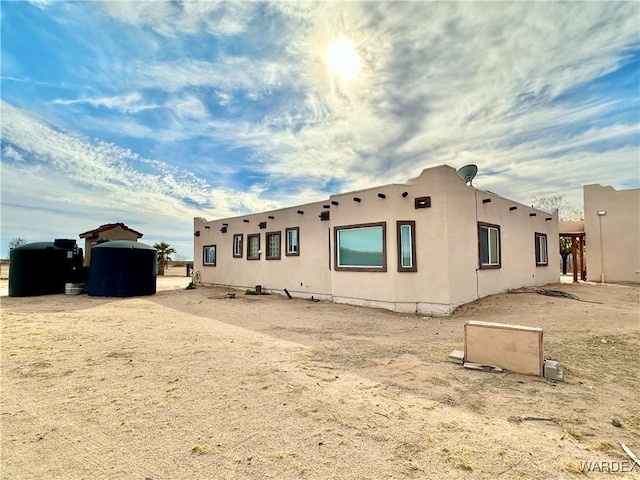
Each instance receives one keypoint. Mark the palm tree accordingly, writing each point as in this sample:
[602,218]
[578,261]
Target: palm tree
[164,250]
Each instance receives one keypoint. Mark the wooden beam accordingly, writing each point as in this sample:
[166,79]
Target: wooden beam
[574,258]
[583,270]
[513,347]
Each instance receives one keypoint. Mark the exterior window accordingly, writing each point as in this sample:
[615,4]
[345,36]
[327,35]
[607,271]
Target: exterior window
[209,255]
[489,245]
[293,241]
[237,246]
[253,246]
[406,246]
[361,248]
[273,245]
[541,249]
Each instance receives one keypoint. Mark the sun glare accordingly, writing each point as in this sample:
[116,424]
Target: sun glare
[342,59]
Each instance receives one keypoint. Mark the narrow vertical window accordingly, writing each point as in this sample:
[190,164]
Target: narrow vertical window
[542,258]
[273,245]
[237,245]
[489,245]
[209,255]
[292,241]
[406,246]
[253,246]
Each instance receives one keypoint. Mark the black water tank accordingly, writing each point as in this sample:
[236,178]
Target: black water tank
[42,268]
[122,268]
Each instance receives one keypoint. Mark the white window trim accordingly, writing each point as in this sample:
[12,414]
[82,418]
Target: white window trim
[205,249]
[488,227]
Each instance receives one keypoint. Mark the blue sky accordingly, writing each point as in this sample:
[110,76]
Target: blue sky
[152,113]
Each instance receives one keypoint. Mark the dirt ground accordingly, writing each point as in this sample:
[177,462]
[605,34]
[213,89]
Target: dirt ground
[188,384]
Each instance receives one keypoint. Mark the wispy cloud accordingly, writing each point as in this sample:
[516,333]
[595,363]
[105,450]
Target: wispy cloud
[190,17]
[217,109]
[128,103]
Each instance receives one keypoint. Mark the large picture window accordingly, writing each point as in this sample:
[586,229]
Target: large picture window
[489,245]
[406,246]
[361,247]
[273,245]
[209,255]
[292,241]
[542,258]
[253,246]
[237,245]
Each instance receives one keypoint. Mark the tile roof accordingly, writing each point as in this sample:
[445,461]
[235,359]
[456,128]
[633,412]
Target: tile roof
[105,227]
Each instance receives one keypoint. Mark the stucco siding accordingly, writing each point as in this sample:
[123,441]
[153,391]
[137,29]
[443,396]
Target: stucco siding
[305,274]
[392,286]
[443,215]
[612,239]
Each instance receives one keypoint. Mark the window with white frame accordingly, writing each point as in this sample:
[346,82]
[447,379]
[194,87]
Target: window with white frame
[542,258]
[253,246]
[237,245]
[292,236]
[361,247]
[406,246]
[209,255]
[273,245]
[489,245]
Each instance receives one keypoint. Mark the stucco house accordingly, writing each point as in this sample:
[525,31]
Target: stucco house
[612,230]
[108,231]
[425,246]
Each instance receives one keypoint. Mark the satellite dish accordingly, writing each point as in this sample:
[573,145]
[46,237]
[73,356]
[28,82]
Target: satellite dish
[468,173]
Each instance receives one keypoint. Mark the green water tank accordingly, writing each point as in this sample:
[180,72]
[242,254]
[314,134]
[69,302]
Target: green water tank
[122,268]
[43,268]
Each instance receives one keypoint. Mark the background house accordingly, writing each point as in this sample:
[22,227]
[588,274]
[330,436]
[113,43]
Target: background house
[108,231]
[612,229]
[424,246]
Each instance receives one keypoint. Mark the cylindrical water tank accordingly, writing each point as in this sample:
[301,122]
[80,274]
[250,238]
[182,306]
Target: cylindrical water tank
[43,268]
[122,268]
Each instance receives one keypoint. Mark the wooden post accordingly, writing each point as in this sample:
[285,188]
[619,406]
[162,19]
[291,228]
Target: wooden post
[574,260]
[583,270]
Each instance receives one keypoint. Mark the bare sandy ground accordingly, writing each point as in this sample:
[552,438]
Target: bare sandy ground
[187,384]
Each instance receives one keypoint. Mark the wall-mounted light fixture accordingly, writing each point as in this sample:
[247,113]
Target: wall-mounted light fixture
[196,233]
[602,212]
[422,202]
[357,199]
[223,230]
[262,225]
[486,200]
[382,195]
[324,216]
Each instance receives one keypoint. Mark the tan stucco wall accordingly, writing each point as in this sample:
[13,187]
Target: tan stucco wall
[517,235]
[446,247]
[574,226]
[619,251]
[116,233]
[400,291]
[306,274]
